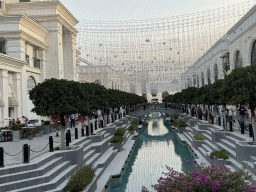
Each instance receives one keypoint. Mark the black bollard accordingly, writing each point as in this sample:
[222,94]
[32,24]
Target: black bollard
[76,133]
[155,106]
[69,136]
[242,127]
[91,128]
[230,126]
[107,120]
[119,115]
[26,153]
[1,157]
[223,124]
[212,119]
[87,130]
[251,131]
[50,144]
[67,139]
[82,131]
[95,124]
[101,122]
[219,121]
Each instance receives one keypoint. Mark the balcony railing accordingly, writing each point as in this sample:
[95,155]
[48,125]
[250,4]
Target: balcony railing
[36,63]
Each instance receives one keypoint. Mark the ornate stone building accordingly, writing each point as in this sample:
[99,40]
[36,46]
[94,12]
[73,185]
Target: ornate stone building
[37,42]
[237,48]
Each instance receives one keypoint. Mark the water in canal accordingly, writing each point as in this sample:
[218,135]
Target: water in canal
[156,146]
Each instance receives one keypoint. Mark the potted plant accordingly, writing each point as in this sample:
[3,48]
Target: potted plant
[30,135]
[41,131]
[198,140]
[135,122]
[15,132]
[218,157]
[46,127]
[131,128]
[117,141]
[37,133]
[181,124]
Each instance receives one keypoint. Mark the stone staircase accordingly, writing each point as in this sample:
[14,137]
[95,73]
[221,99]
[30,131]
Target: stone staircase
[51,171]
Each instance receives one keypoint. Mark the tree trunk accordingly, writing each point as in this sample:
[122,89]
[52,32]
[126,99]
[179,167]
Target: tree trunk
[62,121]
[89,124]
[225,118]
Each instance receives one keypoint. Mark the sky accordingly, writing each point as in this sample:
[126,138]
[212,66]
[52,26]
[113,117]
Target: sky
[125,10]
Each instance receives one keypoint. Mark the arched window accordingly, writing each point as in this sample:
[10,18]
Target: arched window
[194,80]
[216,76]
[31,83]
[197,79]
[202,76]
[253,56]
[165,94]
[209,76]
[238,61]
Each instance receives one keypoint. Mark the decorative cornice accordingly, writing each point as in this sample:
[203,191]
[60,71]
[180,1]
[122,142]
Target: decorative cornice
[5,60]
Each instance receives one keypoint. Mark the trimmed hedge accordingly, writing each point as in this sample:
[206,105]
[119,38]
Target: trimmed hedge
[131,128]
[81,179]
[116,139]
[135,121]
[219,154]
[120,132]
[198,137]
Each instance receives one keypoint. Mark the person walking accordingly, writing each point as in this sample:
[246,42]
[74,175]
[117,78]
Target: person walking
[242,113]
[72,117]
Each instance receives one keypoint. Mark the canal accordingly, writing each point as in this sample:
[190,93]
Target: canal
[156,146]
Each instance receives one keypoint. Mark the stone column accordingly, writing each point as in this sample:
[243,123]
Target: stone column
[69,55]
[54,67]
[18,92]
[4,88]
[16,48]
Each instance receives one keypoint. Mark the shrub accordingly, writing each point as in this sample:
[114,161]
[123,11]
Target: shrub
[47,122]
[81,179]
[203,178]
[174,123]
[219,154]
[120,132]
[116,139]
[135,121]
[181,123]
[175,116]
[198,137]
[15,127]
[131,128]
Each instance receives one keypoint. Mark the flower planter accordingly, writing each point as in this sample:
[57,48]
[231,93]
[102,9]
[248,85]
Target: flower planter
[41,133]
[181,129]
[38,135]
[132,132]
[30,137]
[217,162]
[16,135]
[46,129]
[197,143]
[118,146]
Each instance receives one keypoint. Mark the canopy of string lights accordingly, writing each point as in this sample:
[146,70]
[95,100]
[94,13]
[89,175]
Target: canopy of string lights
[157,51]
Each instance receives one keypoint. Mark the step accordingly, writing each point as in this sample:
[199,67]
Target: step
[206,148]
[208,132]
[252,158]
[233,163]
[188,136]
[231,139]
[201,158]
[89,154]
[249,165]
[230,151]
[35,180]
[54,183]
[228,144]
[202,151]
[106,158]
[93,159]
[209,138]
[210,145]
[31,173]
[231,168]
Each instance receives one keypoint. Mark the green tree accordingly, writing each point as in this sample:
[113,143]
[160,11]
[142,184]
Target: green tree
[60,97]
[239,87]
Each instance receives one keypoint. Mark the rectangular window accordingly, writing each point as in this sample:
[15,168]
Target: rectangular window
[36,63]
[27,59]
[1,5]
[2,47]
[24,1]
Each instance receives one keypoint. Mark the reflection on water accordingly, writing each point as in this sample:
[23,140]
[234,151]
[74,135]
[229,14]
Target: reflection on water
[155,147]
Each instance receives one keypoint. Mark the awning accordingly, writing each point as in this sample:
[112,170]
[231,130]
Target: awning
[12,102]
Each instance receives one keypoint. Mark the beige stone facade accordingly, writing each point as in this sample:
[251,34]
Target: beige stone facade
[37,42]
